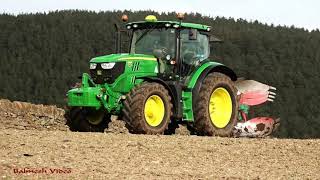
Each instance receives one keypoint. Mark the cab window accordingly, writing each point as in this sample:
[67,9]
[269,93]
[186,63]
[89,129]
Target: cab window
[193,50]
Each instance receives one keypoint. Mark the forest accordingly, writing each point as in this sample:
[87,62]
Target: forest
[42,55]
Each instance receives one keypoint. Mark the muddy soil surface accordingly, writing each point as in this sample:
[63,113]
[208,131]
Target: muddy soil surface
[36,144]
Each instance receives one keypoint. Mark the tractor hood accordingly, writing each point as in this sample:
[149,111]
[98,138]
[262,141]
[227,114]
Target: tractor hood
[122,57]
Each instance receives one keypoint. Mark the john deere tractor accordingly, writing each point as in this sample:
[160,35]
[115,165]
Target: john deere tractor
[165,79]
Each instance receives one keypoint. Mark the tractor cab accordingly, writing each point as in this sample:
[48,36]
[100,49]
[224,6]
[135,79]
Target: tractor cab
[179,47]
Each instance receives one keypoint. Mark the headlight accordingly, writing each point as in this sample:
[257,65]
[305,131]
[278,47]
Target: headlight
[107,65]
[93,66]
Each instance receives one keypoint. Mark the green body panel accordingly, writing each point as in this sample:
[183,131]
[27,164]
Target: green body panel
[193,79]
[182,24]
[195,26]
[137,66]
[109,95]
[187,106]
[122,57]
[84,95]
[187,95]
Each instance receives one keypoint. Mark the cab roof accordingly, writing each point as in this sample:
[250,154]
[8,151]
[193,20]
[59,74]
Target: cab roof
[175,24]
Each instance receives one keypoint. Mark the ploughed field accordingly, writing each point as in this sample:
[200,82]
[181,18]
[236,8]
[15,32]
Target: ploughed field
[35,143]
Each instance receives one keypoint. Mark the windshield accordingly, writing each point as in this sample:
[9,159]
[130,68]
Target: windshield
[144,41]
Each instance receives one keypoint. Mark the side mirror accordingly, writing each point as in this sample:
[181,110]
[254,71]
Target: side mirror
[193,34]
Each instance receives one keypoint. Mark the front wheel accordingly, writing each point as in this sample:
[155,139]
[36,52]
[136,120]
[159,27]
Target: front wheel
[216,106]
[148,109]
[86,119]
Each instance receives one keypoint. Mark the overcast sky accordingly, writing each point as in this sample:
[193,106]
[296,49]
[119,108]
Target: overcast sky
[301,13]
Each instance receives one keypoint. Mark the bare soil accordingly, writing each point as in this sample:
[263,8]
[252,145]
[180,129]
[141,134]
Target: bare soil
[36,144]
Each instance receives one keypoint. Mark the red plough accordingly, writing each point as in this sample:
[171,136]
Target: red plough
[253,93]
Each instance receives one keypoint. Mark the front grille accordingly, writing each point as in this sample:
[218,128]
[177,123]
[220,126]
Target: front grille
[107,75]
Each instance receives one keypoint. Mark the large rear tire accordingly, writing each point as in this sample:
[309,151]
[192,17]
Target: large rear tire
[147,109]
[86,119]
[216,106]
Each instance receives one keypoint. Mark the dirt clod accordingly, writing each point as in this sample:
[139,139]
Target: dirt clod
[117,126]
[182,130]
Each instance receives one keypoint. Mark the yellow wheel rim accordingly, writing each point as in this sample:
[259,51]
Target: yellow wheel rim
[220,107]
[154,110]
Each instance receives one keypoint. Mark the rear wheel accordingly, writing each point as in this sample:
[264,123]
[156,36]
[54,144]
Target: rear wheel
[86,119]
[216,106]
[148,109]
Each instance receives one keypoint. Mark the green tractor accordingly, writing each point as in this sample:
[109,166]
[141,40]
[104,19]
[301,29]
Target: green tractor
[167,78]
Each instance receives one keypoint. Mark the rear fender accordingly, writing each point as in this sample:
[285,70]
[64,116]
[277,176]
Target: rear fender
[208,68]
[194,84]
[199,77]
